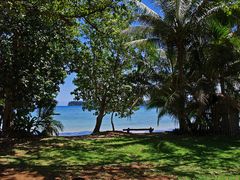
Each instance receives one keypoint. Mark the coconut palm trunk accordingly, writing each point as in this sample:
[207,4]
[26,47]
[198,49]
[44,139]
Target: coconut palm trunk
[181,57]
[230,119]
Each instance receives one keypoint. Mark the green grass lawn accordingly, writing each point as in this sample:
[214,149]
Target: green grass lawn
[191,157]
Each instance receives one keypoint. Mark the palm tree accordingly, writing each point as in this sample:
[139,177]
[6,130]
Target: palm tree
[220,65]
[46,123]
[172,29]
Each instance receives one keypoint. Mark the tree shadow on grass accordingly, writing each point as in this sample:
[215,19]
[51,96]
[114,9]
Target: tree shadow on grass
[189,156]
[157,154]
[64,157]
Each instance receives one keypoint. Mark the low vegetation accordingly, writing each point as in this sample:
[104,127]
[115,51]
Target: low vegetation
[125,156]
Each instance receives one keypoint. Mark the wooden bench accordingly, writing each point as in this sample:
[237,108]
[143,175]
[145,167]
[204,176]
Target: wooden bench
[140,129]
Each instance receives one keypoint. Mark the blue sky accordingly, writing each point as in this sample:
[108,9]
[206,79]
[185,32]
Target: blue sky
[64,95]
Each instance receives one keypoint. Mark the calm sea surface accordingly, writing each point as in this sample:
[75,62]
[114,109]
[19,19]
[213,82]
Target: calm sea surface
[79,122]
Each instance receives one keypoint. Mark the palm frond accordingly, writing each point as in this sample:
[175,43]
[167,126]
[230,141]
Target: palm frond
[171,99]
[202,98]
[219,30]
[207,8]
[167,6]
[149,20]
[161,113]
[199,5]
[162,53]
[160,26]
[182,8]
[209,12]
[143,9]
[55,127]
[144,42]
[233,68]
[138,30]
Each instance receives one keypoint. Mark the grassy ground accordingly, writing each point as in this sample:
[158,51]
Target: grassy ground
[124,157]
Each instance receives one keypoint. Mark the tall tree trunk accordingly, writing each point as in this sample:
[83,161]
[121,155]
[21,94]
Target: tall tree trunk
[99,119]
[113,127]
[0,122]
[183,126]
[7,113]
[216,116]
[230,120]
[181,55]
[234,122]
[1,116]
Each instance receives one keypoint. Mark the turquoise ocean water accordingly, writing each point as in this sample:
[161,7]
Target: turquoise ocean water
[79,122]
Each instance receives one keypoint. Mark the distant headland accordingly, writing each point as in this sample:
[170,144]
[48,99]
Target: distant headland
[75,103]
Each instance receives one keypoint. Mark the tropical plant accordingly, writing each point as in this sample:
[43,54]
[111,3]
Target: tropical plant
[46,123]
[172,29]
[39,123]
[214,85]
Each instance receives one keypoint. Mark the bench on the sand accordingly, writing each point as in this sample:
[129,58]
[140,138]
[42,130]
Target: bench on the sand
[140,129]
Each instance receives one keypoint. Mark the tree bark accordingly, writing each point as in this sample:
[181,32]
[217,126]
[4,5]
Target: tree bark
[113,127]
[1,115]
[7,113]
[234,122]
[215,113]
[180,87]
[230,120]
[99,119]
[0,122]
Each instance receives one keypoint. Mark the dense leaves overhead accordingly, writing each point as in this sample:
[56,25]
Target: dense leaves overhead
[104,65]
[38,41]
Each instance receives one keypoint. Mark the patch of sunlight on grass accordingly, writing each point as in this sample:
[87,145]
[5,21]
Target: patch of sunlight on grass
[8,160]
[40,162]
[171,148]
[215,177]
[19,152]
[192,157]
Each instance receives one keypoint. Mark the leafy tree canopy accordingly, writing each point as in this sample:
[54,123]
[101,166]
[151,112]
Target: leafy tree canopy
[104,65]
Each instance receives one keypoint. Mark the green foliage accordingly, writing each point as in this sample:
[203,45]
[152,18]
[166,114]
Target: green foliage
[41,124]
[181,59]
[104,65]
[173,33]
[35,51]
[46,123]
[1,102]
[214,83]
[201,53]
[38,43]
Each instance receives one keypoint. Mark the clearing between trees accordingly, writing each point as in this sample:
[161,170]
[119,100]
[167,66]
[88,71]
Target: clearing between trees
[121,156]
